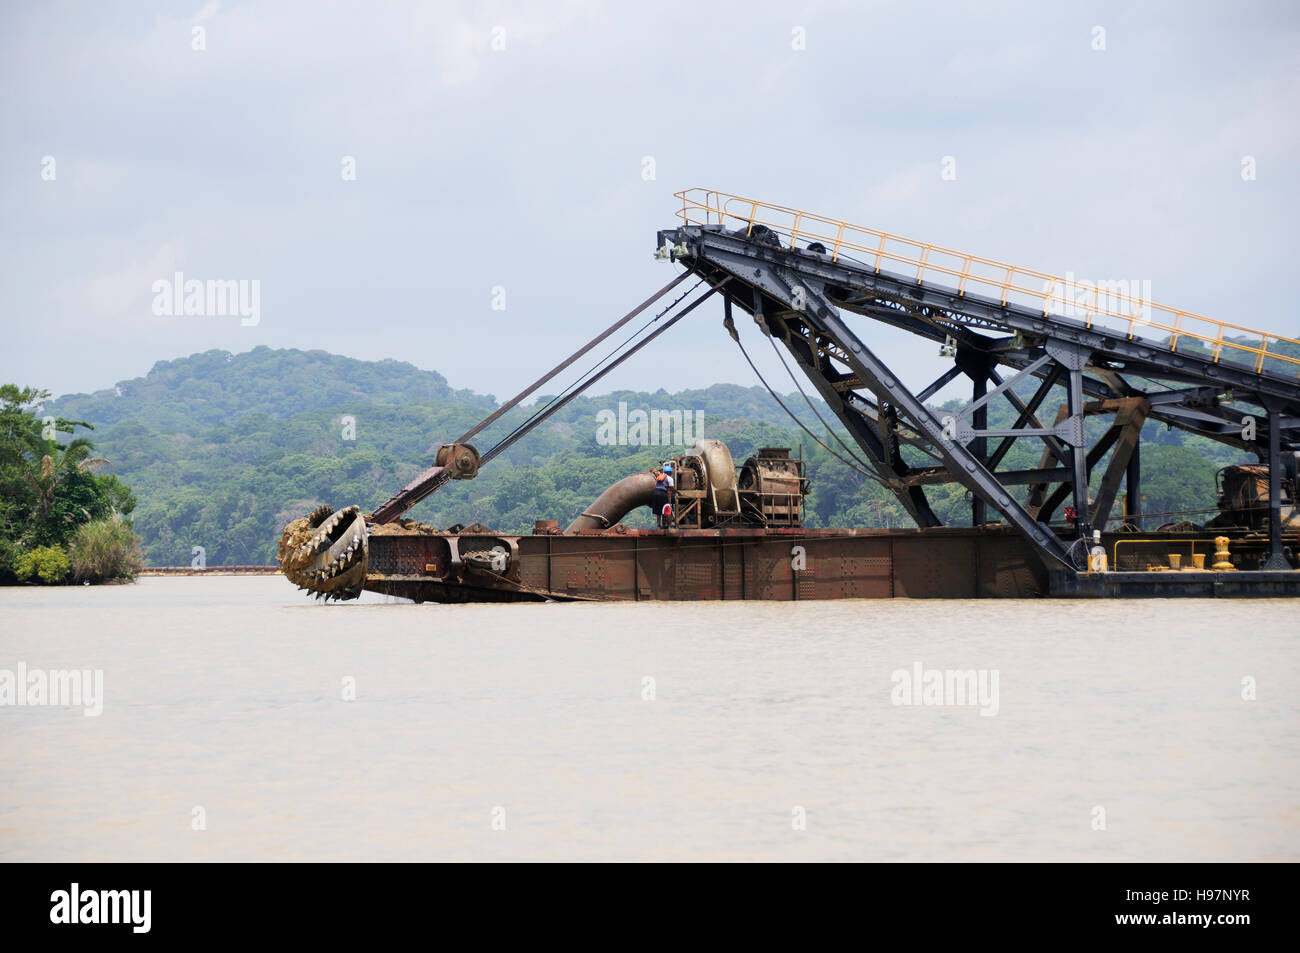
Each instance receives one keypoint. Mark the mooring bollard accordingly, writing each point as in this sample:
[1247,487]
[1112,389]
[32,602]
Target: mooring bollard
[1222,558]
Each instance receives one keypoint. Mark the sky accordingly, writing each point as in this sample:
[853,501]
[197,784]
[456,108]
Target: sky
[475,187]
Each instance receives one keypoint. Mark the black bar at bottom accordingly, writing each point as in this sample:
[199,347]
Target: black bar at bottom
[1224,903]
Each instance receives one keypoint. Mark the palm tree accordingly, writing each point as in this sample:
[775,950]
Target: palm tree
[57,463]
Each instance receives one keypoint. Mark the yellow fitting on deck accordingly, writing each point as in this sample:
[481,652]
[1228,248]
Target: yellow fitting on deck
[1222,558]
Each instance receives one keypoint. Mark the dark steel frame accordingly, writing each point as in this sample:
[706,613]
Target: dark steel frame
[797,296]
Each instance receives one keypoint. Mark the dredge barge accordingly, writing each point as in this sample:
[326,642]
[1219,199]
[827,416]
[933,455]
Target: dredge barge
[737,532]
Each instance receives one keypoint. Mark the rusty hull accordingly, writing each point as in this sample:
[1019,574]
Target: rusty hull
[415,562]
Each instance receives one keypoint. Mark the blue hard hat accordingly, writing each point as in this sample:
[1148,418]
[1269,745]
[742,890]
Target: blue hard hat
[668,467]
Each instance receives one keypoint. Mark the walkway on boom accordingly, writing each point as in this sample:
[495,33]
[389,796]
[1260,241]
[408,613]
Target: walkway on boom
[1099,307]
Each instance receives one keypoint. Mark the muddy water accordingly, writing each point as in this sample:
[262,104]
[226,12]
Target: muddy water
[650,731]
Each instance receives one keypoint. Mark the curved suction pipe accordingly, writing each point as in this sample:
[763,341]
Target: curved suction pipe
[615,503]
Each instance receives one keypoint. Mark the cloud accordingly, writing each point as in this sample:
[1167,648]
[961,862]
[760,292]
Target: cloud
[522,166]
[124,294]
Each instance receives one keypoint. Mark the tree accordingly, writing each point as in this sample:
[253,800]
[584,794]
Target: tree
[47,488]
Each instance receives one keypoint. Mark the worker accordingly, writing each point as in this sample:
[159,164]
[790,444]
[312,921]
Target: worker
[664,484]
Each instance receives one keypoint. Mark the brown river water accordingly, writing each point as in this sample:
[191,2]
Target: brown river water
[239,721]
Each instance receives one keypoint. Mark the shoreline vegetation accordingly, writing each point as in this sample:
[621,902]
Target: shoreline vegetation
[61,521]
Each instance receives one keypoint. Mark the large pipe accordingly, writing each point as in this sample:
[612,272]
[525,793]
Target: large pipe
[615,503]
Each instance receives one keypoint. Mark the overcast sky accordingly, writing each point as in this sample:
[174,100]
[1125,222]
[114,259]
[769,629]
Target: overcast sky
[524,167]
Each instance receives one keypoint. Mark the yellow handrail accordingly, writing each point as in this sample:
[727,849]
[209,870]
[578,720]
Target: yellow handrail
[1125,313]
[1158,541]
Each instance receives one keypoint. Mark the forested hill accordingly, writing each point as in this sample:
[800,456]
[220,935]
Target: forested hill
[223,449]
[217,387]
